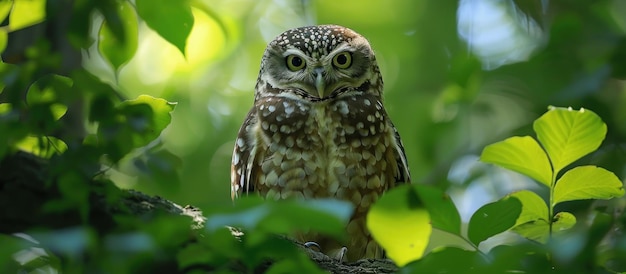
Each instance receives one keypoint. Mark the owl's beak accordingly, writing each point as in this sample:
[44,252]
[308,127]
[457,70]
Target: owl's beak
[320,85]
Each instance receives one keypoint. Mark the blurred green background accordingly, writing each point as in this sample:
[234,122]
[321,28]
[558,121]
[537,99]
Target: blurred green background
[458,75]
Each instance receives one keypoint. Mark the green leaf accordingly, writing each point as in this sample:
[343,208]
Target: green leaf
[5,8]
[119,50]
[27,13]
[325,216]
[69,242]
[493,218]
[147,116]
[162,109]
[533,207]
[446,260]
[5,108]
[601,225]
[261,220]
[111,13]
[171,19]
[79,30]
[568,135]
[4,38]
[221,240]
[193,254]
[587,182]
[42,146]
[127,125]
[10,129]
[532,223]
[290,265]
[520,154]
[246,214]
[563,221]
[443,212]
[523,257]
[58,110]
[539,230]
[400,223]
[47,91]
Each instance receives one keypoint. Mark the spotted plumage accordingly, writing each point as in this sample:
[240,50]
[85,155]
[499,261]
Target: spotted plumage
[318,129]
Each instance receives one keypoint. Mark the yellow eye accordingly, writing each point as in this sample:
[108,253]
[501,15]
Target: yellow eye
[295,63]
[342,60]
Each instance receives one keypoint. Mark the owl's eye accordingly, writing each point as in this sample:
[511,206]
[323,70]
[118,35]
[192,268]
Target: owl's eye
[342,60]
[295,63]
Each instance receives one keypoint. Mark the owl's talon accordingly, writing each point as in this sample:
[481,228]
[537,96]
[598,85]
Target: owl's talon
[341,254]
[313,244]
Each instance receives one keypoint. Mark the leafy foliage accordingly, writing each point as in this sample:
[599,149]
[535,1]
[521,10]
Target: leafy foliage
[261,222]
[401,212]
[171,19]
[119,50]
[82,126]
[493,218]
[523,212]
[566,135]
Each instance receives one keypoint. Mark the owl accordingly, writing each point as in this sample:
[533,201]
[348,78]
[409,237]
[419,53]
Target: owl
[318,129]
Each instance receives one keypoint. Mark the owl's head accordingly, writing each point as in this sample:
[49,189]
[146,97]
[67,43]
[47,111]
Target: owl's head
[320,62]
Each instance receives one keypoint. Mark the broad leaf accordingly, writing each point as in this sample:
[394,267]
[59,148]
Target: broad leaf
[533,207]
[144,107]
[115,50]
[49,90]
[27,13]
[521,257]
[538,230]
[326,216]
[587,182]
[246,214]
[5,8]
[446,260]
[71,241]
[195,254]
[400,223]
[493,218]
[171,19]
[563,221]
[4,38]
[42,146]
[5,108]
[568,135]
[443,212]
[521,154]
[602,224]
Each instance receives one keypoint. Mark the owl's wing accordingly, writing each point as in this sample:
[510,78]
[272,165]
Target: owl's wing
[243,168]
[403,175]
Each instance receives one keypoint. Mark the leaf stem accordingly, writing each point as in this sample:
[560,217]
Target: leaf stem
[475,247]
[483,254]
[551,205]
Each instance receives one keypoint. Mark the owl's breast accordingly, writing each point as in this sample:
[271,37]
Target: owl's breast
[335,148]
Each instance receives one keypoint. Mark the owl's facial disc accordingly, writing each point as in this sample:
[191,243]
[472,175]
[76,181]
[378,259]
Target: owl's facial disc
[319,74]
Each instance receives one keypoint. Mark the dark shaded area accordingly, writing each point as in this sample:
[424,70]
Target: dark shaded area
[26,187]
